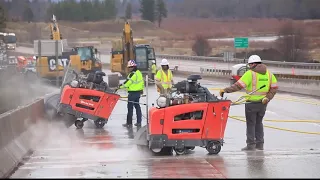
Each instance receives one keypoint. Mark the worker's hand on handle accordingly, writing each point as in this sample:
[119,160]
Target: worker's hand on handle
[265,100]
[221,92]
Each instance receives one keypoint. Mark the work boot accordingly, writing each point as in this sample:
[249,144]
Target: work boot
[127,125]
[138,124]
[250,147]
[259,146]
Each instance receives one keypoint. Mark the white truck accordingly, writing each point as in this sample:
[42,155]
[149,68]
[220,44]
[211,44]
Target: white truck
[9,39]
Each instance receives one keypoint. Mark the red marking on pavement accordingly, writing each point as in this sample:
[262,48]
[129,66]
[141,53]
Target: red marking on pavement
[182,168]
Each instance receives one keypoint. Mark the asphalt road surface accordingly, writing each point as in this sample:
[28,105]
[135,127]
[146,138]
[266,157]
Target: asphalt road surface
[194,66]
[111,153]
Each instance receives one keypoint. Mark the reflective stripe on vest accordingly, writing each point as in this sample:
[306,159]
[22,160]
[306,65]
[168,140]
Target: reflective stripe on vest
[260,94]
[166,81]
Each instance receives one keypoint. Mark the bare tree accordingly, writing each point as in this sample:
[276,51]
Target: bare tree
[201,46]
[292,43]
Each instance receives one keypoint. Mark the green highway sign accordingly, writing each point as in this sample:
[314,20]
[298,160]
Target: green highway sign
[241,42]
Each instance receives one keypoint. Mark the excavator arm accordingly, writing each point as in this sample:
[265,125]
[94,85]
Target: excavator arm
[55,32]
[127,44]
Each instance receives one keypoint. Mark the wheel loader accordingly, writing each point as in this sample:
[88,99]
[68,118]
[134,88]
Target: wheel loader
[128,48]
[90,61]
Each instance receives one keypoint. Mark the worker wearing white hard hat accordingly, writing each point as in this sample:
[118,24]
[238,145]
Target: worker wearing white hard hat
[261,87]
[164,78]
[153,69]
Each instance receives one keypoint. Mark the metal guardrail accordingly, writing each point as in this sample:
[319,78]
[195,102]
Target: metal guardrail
[220,72]
[235,61]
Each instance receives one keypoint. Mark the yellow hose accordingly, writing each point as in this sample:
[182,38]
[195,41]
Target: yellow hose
[282,129]
[272,120]
[245,97]
[317,103]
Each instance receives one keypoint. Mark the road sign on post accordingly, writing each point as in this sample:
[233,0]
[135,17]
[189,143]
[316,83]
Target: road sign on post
[241,43]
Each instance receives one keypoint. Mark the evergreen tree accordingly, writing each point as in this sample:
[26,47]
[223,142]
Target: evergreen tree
[129,11]
[161,11]
[147,9]
[2,19]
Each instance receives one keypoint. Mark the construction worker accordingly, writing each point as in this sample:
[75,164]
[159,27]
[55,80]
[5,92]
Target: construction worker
[153,69]
[135,85]
[164,78]
[257,76]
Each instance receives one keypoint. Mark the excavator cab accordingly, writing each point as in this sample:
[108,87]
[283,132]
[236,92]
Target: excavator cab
[90,61]
[144,55]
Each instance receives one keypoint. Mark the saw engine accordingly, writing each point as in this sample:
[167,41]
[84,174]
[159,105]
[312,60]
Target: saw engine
[185,92]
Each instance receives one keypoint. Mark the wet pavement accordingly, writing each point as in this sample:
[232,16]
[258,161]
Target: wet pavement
[111,153]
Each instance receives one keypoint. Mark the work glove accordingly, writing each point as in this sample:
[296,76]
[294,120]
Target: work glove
[265,100]
[221,92]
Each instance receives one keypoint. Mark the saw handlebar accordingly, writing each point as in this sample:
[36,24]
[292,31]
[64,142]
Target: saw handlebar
[243,99]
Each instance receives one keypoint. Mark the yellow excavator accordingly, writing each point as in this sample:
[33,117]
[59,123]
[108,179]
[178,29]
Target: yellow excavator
[83,59]
[46,66]
[129,48]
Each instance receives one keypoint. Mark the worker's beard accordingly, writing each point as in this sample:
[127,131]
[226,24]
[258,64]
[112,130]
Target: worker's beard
[165,68]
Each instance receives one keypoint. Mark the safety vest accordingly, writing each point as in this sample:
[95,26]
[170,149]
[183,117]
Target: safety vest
[253,81]
[154,69]
[165,80]
[135,83]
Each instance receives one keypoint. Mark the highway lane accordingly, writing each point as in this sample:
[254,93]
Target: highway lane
[195,66]
[111,152]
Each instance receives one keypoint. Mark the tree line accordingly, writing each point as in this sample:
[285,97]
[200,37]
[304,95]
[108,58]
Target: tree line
[293,9]
[82,10]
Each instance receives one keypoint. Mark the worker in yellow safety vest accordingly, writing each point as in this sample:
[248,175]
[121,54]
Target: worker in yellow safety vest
[153,69]
[257,76]
[135,85]
[164,78]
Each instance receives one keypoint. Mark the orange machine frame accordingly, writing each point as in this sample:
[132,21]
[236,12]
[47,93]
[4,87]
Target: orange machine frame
[83,103]
[209,128]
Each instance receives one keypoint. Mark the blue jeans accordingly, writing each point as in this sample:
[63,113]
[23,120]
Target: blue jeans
[134,97]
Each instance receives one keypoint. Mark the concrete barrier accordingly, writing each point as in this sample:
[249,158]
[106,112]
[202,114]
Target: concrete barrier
[280,64]
[16,135]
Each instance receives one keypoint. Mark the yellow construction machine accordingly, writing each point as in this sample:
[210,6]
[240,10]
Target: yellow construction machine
[46,66]
[83,59]
[90,59]
[129,48]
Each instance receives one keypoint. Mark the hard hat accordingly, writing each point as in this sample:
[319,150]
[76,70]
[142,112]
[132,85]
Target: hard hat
[153,61]
[131,63]
[164,62]
[254,59]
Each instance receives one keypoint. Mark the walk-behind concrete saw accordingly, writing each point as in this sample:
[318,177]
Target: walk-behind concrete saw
[187,117]
[82,98]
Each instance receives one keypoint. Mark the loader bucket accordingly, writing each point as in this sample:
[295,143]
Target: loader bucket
[140,137]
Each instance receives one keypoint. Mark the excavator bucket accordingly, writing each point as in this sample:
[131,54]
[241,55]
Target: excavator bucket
[140,137]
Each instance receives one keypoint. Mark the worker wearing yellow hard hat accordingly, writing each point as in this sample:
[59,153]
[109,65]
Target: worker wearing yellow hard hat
[259,80]
[164,78]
